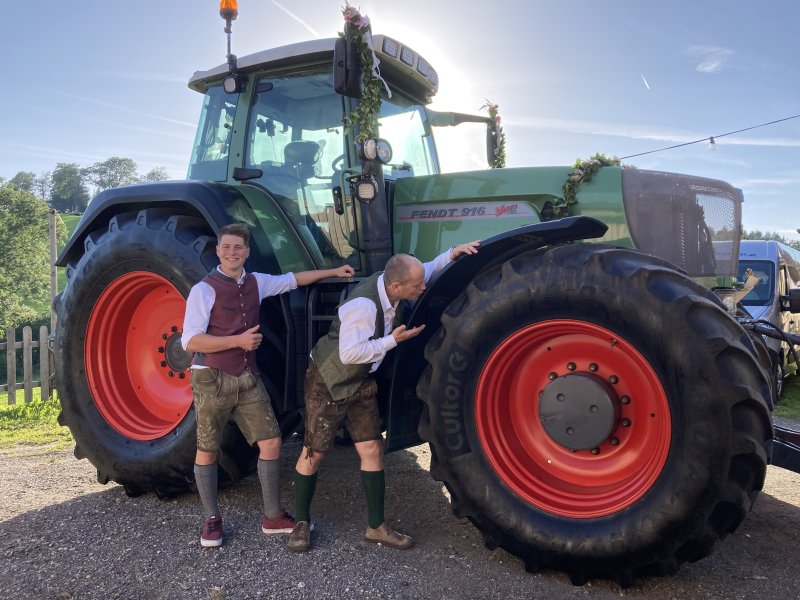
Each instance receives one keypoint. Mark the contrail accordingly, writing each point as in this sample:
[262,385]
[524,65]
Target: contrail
[647,85]
[299,20]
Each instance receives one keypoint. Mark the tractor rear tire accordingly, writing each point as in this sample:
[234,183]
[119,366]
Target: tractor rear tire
[592,410]
[122,375]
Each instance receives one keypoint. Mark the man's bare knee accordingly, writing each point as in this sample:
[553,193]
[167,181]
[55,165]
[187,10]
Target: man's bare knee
[269,449]
[308,462]
[371,455]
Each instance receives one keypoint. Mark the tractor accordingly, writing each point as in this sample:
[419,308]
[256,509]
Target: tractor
[594,399]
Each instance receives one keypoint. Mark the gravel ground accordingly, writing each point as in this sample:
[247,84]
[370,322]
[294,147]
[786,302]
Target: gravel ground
[63,536]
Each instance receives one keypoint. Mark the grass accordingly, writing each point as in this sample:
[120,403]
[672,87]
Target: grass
[789,406]
[34,424]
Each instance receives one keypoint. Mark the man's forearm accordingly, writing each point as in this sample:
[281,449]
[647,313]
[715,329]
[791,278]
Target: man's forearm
[205,343]
[309,277]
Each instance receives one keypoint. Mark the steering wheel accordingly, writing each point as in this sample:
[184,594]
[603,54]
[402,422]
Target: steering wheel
[336,161]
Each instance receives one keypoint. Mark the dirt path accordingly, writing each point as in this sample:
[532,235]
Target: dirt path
[64,536]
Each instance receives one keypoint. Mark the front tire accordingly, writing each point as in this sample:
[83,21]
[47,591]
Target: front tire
[122,374]
[591,410]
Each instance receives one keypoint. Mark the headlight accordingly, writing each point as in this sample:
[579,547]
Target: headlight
[728,298]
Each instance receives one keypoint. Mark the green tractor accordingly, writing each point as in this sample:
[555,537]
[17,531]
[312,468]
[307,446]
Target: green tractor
[590,407]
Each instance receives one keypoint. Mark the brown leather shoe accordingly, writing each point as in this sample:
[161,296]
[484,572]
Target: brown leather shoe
[300,538]
[386,535]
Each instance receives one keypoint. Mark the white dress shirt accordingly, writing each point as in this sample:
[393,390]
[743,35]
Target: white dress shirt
[357,318]
[202,297]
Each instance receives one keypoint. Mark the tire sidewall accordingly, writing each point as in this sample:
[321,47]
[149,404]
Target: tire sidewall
[118,253]
[561,288]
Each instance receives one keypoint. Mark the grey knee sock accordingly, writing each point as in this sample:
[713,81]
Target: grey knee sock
[205,476]
[269,472]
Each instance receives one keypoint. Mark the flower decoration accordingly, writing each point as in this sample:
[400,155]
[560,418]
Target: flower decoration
[364,119]
[582,171]
[499,159]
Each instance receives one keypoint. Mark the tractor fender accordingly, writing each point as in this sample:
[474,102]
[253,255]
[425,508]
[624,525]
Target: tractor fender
[217,203]
[407,365]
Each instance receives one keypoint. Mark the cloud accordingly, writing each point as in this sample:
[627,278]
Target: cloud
[126,109]
[139,76]
[313,31]
[772,182]
[639,132]
[712,59]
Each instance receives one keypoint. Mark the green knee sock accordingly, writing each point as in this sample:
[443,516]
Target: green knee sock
[304,488]
[374,484]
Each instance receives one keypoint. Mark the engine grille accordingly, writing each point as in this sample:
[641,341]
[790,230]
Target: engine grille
[694,223]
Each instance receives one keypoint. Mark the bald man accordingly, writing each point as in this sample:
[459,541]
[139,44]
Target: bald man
[339,387]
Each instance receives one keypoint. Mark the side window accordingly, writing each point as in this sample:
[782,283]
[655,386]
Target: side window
[212,143]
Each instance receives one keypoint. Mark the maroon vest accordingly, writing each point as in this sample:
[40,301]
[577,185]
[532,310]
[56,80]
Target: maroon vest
[235,310]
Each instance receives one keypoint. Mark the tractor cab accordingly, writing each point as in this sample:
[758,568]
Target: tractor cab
[285,130]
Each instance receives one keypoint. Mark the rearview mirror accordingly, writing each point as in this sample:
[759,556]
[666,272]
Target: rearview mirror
[347,69]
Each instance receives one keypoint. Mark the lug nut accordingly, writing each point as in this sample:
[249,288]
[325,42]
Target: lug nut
[181,375]
[625,400]
[171,374]
[163,363]
[161,349]
[552,376]
[595,451]
[571,366]
[613,379]
[164,336]
[614,441]
[593,367]
[174,328]
[626,422]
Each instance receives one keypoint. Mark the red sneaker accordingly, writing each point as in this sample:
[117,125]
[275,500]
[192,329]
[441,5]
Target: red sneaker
[213,533]
[283,523]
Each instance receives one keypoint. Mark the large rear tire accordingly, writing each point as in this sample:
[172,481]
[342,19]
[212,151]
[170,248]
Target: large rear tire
[594,411]
[122,373]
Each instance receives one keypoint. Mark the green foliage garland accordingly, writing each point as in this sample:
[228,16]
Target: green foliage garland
[499,160]
[582,171]
[364,119]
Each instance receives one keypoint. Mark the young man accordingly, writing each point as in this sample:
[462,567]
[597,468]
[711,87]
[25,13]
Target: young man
[339,388]
[221,329]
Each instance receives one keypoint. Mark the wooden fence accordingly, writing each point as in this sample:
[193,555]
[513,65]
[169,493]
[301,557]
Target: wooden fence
[10,345]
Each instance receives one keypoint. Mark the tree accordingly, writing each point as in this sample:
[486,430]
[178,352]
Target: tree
[41,186]
[68,192]
[24,180]
[112,172]
[156,174]
[25,261]
[769,235]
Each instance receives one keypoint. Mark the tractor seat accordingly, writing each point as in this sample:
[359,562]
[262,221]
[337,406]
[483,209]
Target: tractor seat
[301,156]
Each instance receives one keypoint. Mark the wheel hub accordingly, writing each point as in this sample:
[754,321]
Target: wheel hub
[177,358]
[579,411]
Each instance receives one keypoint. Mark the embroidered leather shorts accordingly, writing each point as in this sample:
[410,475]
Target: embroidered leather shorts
[218,396]
[324,416]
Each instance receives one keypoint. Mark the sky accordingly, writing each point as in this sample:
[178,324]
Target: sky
[84,81]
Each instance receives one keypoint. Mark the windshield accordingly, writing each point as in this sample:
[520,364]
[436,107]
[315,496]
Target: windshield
[760,274]
[296,138]
[404,125]
[212,143]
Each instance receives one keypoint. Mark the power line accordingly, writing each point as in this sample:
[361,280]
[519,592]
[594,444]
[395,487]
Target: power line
[710,138]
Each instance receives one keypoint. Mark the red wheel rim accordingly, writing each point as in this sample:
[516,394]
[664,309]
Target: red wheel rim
[137,392]
[577,484]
